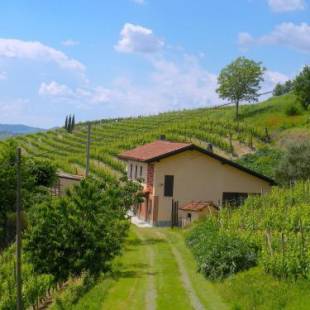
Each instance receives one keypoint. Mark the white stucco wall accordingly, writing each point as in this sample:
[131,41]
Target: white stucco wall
[200,177]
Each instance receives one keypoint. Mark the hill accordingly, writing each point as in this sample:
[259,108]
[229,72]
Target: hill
[264,124]
[7,130]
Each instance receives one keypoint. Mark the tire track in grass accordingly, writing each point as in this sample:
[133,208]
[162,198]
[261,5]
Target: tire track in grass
[151,294]
[195,301]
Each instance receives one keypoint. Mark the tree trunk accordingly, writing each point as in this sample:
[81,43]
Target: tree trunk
[237,110]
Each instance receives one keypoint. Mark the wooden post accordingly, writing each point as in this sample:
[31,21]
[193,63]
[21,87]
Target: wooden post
[19,301]
[88,149]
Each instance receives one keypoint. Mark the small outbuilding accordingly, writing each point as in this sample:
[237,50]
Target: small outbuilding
[195,210]
[65,181]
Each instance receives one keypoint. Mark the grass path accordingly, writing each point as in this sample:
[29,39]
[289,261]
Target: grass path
[156,271]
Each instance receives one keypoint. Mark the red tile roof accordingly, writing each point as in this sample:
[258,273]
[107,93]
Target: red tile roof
[161,149]
[198,206]
[152,150]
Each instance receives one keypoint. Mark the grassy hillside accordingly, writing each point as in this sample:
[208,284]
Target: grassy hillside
[200,126]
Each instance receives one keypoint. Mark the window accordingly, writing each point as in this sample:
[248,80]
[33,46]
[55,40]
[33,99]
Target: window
[130,172]
[136,171]
[234,199]
[168,186]
[141,170]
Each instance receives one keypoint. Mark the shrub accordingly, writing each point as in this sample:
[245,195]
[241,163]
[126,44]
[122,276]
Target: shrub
[302,87]
[294,164]
[292,110]
[81,232]
[218,253]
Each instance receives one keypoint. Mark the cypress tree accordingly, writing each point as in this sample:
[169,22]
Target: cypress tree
[69,123]
[66,123]
[73,122]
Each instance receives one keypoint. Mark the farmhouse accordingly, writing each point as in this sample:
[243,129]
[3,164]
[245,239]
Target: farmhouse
[176,176]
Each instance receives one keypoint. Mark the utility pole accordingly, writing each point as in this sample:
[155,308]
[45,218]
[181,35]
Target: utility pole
[87,150]
[19,302]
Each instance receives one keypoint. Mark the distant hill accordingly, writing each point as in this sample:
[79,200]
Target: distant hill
[8,130]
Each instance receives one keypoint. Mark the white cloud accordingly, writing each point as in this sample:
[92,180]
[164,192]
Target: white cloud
[70,42]
[3,75]
[34,50]
[138,39]
[274,77]
[170,86]
[286,34]
[55,89]
[286,5]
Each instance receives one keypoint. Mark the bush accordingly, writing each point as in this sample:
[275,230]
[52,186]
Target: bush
[302,87]
[294,164]
[219,254]
[81,232]
[292,110]
[263,160]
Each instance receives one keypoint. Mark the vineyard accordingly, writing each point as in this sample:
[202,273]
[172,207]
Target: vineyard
[200,126]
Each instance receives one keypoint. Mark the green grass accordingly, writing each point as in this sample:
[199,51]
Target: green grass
[254,289]
[127,287]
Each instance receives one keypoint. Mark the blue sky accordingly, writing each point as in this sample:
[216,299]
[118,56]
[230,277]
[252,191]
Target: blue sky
[101,59]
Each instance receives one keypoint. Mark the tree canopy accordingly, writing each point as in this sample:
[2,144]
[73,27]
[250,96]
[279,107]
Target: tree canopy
[82,231]
[35,174]
[302,87]
[240,81]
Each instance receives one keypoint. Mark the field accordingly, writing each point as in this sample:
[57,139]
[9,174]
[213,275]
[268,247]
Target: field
[259,123]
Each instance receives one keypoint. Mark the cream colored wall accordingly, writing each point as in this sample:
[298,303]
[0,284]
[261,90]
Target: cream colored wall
[138,164]
[200,177]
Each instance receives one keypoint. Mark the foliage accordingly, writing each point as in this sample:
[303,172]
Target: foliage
[282,89]
[34,174]
[240,81]
[69,123]
[81,232]
[43,171]
[264,161]
[294,163]
[254,289]
[76,288]
[34,286]
[278,223]
[302,87]
[218,253]
[292,109]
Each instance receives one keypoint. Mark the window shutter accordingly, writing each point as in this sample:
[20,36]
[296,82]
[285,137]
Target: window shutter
[168,187]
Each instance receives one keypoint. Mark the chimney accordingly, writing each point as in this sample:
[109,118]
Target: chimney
[210,147]
[162,137]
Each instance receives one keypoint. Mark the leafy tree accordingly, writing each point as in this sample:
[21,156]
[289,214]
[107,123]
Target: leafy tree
[282,89]
[302,87]
[82,231]
[295,163]
[240,81]
[43,171]
[34,175]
